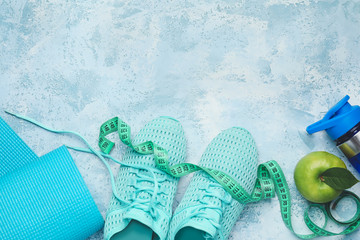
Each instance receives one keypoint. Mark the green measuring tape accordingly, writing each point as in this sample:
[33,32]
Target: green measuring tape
[270,180]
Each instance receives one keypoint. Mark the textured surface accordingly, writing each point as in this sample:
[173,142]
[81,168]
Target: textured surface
[138,185]
[13,151]
[233,152]
[270,66]
[43,198]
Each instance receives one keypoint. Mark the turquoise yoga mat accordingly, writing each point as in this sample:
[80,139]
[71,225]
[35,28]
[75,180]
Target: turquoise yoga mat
[42,198]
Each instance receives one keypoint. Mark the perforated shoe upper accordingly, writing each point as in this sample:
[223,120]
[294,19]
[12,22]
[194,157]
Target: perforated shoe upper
[149,190]
[206,205]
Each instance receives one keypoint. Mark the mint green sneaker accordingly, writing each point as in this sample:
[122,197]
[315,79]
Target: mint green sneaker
[207,211]
[145,208]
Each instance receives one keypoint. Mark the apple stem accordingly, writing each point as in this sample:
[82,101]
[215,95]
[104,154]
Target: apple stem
[322,179]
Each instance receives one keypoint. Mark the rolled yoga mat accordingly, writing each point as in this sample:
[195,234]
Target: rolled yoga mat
[42,198]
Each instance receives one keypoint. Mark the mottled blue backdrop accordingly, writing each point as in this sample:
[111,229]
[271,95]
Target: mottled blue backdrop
[271,66]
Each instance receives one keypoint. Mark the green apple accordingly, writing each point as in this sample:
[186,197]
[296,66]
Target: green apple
[308,180]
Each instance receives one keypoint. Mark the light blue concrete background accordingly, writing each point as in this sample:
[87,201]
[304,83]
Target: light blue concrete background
[271,66]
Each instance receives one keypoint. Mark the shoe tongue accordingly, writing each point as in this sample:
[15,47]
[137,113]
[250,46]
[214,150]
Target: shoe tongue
[217,194]
[210,212]
[145,184]
[204,224]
